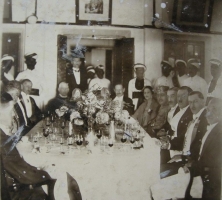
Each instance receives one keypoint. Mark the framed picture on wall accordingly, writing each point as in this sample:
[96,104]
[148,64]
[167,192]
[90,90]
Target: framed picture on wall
[193,14]
[92,12]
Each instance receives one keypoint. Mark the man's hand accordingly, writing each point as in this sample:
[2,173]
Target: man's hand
[165,142]
[175,158]
[161,133]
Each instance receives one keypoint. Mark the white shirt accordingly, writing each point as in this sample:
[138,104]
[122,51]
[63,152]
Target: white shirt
[181,79]
[189,132]
[120,103]
[8,76]
[164,81]
[209,129]
[217,90]
[103,83]
[28,105]
[132,88]
[170,113]
[196,83]
[76,73]
[175,120]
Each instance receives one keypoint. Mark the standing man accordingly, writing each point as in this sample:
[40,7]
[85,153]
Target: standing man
[195,82]
[181,69]
[136,85]
[167,75]
[124,103]
[34,76]
[76,75]
[215,85]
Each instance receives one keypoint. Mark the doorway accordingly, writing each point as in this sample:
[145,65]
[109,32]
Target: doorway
[117,55]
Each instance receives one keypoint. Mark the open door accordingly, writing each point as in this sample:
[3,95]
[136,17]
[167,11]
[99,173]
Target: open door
[123,62]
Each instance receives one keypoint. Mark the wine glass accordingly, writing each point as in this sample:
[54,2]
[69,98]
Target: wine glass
[63,125]
[132,140]
[123,139]
[52,119]
[110,143]
[45,134]
[61,142]
[43,119]
[47,122]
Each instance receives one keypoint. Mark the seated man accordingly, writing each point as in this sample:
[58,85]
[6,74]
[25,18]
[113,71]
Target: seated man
[207,165]
[195,128]
[31,109]
[16,173]
[124,103]
[157,123]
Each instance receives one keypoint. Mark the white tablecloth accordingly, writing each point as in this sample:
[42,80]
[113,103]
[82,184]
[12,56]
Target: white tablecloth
[116,174]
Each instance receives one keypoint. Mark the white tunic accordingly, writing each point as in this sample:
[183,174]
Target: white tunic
[132,88]
[196,83]
[181,79]
[103,83]
[217,90]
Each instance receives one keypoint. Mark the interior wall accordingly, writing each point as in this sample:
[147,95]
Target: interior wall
[42,39]
[153,53]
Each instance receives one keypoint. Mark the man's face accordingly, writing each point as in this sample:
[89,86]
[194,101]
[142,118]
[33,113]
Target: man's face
[76,62]
[100,73]
[7,64]
[15,93]
[196,103]
[64,90]
[166,70]
[31,62]
[192,70]
[172,98]
[140,72]
[181,69]
[215,71]
[162,98]
[182,98]
[27,87]
[119,90]
[213,112]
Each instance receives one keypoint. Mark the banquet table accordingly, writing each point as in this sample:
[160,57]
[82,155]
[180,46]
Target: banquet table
[105,173]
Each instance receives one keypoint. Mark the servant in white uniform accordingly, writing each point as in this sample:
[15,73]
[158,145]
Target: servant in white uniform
[100,80]
[167,75]
[181,69]
[215,85]
[6,65]
[136,85]
[195,82]
[35,76]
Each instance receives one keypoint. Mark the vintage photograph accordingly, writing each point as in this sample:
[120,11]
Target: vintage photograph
[110,99]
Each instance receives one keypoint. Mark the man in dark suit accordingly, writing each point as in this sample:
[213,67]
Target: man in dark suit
[76,76]
[208,149]
[196,128]
[123,102]
[19,180]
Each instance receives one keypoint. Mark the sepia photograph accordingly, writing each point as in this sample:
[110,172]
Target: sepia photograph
[111,99]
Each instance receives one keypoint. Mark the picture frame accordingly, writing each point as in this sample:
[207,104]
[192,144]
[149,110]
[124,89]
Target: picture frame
[193,14]
[93,12]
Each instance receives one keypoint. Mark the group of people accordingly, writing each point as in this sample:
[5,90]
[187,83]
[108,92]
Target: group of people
[179,109]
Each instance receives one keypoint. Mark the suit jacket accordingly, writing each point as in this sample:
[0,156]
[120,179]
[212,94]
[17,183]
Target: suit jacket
[209,164]
[129,101]
[17,167]
[70,79]
[177,142]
